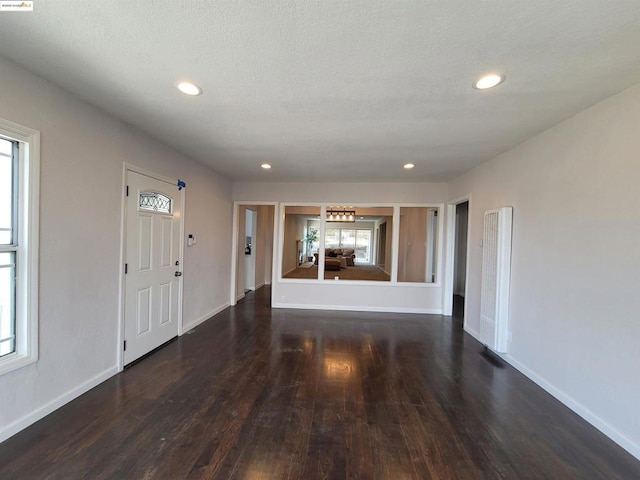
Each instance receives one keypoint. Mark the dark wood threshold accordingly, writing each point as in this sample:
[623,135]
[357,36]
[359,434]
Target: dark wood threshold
[147,355]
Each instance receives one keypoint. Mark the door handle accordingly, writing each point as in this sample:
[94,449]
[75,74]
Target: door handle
[178,274]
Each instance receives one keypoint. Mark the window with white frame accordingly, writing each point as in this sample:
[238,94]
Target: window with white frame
[8,164]
[357,238]
[19,175]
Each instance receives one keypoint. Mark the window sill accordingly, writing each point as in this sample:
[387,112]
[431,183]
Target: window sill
[13,361]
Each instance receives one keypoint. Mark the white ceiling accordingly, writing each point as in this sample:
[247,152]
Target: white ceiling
[333,90]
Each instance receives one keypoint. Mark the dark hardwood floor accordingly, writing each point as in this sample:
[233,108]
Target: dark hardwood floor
[256,393]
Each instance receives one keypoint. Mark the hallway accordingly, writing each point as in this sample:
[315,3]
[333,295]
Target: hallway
[256,393]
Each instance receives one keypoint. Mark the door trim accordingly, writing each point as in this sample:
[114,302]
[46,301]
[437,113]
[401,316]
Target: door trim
[127,167]
[234,247]
[447,291]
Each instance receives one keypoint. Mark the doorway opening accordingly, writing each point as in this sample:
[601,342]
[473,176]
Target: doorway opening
[460,260]
[254,239]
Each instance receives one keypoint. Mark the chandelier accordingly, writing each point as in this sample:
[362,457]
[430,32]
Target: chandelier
[340,214]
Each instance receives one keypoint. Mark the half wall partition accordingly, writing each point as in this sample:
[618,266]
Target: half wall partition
[386,258]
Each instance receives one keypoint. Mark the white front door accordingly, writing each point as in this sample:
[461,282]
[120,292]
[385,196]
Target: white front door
[153,264]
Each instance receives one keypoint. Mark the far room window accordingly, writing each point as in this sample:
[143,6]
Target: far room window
[356,238]
[19,175]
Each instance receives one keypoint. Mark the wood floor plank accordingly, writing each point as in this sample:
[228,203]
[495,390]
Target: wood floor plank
[256,393]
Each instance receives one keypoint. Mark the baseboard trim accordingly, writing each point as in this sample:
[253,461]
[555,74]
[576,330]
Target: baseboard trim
[473,333]
[260,285]
[204,318]
[358,308]
[240,297]
[55,404]
[609,430]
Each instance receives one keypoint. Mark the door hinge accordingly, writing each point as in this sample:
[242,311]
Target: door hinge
[126,268]
[125,345]
[127,190]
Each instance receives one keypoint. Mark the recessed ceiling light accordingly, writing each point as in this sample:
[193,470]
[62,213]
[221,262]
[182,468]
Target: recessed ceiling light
[488,81]
[189,88]
[409,166]
[266,166]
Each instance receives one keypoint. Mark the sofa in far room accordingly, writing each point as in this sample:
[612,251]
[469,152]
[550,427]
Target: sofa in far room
[334,256]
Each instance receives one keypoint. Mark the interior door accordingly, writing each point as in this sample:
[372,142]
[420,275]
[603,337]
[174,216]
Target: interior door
[153,264]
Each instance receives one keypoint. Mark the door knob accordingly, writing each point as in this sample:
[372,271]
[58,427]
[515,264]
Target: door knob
[178,274]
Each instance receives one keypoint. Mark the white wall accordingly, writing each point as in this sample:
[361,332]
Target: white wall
[340,193]
[82,155]
[209,215]
[345,294]
[575,308]
[265,228]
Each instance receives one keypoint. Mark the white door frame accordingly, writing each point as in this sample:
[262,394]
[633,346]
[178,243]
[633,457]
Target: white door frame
[234,247]
[447,291]
[127,167]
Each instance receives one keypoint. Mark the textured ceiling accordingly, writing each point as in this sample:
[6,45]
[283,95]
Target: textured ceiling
[333,89]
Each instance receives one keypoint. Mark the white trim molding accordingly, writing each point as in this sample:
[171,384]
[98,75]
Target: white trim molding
[449,253]
[358,308]
[234,295]
[127,167]
[27,249]
[56,403]
[204,318]
[614,434]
